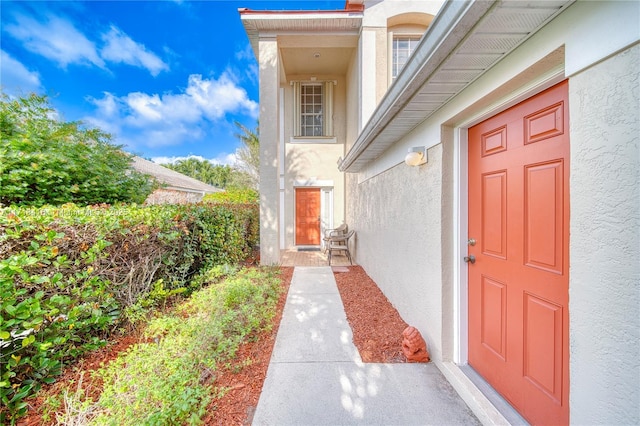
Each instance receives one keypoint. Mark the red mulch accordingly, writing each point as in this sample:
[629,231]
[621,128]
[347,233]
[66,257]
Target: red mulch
[377,326]
[377,333]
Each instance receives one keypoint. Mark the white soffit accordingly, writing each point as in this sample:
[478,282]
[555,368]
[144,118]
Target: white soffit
[463,41]
[278,23]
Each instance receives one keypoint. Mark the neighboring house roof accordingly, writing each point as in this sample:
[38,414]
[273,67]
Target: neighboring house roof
[171,178]
[463,41]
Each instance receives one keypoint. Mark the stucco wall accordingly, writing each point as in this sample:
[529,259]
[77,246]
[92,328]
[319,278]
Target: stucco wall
[605,242]
[309,164]
[269,180]
[583,43]
[377,12]
[375,45]
[314,162]
[397,219]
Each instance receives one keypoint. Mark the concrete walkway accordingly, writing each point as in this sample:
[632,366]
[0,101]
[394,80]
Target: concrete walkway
[316,376]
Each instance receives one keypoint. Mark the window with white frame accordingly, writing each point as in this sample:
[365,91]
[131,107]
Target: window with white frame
[313,109]
[403,47]
[311,118]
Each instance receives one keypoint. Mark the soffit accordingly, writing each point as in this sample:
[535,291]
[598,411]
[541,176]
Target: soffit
[303,23]
[464,41]
[320,61]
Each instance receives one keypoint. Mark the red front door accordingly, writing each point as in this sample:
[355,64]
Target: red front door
[519,283]
[307,216]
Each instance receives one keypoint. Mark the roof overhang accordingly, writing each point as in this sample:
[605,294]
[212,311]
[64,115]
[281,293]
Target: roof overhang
[464,40]
[275,23]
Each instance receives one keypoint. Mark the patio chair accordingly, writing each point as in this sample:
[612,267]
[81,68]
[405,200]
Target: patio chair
[336,232]
[340,244]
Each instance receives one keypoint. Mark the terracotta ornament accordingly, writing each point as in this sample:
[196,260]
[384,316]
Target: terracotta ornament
[413,345]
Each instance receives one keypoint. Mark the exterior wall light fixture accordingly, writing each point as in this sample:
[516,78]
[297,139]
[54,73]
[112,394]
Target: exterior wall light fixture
[416,156]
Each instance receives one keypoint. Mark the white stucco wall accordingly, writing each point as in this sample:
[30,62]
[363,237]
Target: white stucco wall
[406,218]
[397,219]
[605,242]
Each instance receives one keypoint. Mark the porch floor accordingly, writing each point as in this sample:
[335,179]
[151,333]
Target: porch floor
[311,258]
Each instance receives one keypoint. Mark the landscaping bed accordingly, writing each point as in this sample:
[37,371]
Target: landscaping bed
[377,333]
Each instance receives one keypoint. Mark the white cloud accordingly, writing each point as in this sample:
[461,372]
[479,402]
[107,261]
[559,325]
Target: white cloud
[55,39]
[119,47]
[217,97]
[15,77]
[245,54]
[141,119]
[223,159]
[249,65]
[58,40]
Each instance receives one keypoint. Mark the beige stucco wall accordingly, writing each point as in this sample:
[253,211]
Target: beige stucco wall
[375,48]
[352,100]
[605,241]
[378,12]
[309,165]
[312,164]
[269,155]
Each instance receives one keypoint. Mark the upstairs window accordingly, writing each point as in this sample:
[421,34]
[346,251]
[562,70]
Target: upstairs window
[403,47]
[313,109]
[311,117]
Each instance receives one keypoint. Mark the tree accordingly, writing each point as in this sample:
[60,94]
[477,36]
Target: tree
[249,155]
[48,161]
[212,174]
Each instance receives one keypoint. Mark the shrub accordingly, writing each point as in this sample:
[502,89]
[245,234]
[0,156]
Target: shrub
[47,161]
[235,196]
[69,275]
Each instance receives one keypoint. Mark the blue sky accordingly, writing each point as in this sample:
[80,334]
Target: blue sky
[166,78]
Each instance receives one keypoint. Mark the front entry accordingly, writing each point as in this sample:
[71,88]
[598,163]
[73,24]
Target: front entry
[519,240]
[307,216]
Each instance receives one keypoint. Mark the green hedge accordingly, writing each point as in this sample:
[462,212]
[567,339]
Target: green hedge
[70,276]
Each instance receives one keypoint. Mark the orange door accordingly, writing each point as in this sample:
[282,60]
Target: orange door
[519,283]
[307,216]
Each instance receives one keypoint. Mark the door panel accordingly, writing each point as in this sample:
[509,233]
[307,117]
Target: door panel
[307,216]
[543,345]
[543,216]
[494,312]
[494,214]
[518,285]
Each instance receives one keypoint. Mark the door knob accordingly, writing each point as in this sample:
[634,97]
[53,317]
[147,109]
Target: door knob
[470,259]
